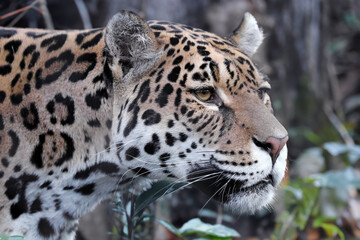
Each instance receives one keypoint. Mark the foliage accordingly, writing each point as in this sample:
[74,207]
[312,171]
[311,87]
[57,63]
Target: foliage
[303,202]
[195,227]
[134,212]
[131,214]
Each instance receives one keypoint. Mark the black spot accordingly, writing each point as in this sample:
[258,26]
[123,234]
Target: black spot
[178,97]
[45,228]
[92,42]
[151,117]
[15,80]
[132,153]
[29,76]
[183,109]
[34,58]
[36,157]
[174,74]
[16,99]
[174,41]
[45,184]
[143,95]
[36,206]
[170,139]
[205,124]
[94,123]
[68,103]
[80,37]
[89,58]
[162,98]
[182,155]
[54,43]
[156,27]
[178,60]
[15,143]
[202,51]
[17,186]
[132,122]
[170,52]
[68,149]
[86,189]
[29,49]
[57,202]
[107,143]
[106,168]
[66,58]
[5,162]
[94,100]
[153,146]
[164,157]
[189,67]
[5,69]
[17,168]
[141,171]
[12,48]
[27,88]
[36,34]
[7,33]
[193,145]
[170,123]
[190,113]
[108,124]
[183,137]
[183,81]
[30,117]
[2,96]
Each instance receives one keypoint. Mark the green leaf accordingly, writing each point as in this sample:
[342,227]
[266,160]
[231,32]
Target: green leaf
[196,226]
[298,193]
[319,220]
[335,149]
[169,227]
[332,230]
[337,179]
[156,191]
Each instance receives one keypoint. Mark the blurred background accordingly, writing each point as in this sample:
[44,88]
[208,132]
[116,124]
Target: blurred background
[312,56]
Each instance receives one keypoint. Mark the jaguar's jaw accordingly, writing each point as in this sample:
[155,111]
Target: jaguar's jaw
[240,196]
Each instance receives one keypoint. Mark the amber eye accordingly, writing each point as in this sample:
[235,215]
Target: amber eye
[204,94]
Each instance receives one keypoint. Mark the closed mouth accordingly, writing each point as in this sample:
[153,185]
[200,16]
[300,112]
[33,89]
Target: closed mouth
[221,187]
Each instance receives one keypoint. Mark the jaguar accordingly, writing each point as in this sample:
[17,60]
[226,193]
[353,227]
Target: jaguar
[87,113]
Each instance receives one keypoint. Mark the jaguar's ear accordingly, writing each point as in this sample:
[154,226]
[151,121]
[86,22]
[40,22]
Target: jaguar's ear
[130,43]
[248,36]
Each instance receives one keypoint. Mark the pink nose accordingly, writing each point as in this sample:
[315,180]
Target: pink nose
[272,145]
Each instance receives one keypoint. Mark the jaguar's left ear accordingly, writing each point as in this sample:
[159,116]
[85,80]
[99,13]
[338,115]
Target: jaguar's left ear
[130,43]
[248,36]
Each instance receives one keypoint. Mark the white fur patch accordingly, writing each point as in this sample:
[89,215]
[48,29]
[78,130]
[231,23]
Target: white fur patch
[248,36]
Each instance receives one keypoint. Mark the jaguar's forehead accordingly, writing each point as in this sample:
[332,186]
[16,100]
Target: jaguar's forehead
[203,49]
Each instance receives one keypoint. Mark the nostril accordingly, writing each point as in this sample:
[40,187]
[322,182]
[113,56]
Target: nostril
[264,145]
[272,145]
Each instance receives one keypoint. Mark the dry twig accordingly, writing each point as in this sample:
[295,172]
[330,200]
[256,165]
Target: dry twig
[84,14]
[335,121]
[46,14]
[22,12]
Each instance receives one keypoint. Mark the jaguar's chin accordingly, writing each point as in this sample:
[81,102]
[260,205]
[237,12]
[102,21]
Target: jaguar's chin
[237,195]
[251,201]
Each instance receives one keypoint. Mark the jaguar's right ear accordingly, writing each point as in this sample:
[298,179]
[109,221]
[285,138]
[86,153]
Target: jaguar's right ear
[130,44]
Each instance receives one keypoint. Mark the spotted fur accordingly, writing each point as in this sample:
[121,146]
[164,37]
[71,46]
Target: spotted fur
[84,114]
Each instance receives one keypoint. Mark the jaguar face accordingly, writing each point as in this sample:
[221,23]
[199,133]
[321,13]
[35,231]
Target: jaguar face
[198,110]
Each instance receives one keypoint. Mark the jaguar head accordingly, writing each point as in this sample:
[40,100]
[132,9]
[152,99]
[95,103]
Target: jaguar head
[191,106]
